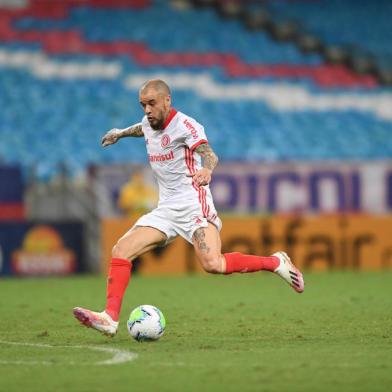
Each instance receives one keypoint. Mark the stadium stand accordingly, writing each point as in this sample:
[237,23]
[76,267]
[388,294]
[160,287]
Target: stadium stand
[361,25]
[71,70]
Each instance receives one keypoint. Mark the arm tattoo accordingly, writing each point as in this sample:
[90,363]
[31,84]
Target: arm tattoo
[200,238]
[134,130]
[210,160]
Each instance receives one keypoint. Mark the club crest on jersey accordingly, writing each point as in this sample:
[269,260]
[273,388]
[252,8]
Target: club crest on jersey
[165,141]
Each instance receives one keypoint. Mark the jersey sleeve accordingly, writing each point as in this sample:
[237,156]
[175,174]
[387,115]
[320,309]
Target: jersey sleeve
[194,133]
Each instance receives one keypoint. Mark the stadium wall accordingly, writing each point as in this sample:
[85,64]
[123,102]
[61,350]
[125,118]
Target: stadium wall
[323,242]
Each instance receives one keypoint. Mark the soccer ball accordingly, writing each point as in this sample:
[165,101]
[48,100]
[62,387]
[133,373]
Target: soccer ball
[146,322]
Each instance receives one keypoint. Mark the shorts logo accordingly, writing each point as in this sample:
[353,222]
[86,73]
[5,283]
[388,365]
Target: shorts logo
[165,141]
[198,221]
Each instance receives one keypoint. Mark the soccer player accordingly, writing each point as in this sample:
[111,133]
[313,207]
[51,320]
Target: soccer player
[183,162]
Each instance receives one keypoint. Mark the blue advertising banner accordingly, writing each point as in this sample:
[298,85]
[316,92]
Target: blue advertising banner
[290,187]
[41,249]
[11,193]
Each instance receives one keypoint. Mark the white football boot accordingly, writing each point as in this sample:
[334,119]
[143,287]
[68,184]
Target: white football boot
[100,321]
[289,272]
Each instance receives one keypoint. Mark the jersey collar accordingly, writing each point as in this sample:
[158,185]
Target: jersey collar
[172,113]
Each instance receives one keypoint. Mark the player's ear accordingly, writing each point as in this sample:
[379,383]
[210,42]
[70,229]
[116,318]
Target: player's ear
[168,100]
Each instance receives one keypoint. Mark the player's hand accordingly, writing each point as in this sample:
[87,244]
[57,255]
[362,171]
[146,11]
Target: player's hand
[202,176]
[111,137]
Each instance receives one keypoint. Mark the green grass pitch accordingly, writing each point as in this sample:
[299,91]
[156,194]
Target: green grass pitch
[224,333]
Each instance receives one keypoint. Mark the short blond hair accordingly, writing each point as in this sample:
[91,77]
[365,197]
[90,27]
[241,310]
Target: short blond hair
[158,85]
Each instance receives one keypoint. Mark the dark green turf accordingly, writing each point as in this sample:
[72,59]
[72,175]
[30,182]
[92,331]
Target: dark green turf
[235,333]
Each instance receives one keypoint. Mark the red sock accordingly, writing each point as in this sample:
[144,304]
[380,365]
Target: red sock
[238,262]
[118,278]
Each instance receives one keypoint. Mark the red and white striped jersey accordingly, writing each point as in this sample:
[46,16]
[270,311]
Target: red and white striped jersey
[172,156]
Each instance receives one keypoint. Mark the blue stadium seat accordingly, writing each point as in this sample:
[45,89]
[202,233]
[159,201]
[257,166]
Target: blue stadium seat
[365,24]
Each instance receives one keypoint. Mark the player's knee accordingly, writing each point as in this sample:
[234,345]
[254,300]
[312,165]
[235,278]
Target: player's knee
[122,250]
[212,265]
[118,251]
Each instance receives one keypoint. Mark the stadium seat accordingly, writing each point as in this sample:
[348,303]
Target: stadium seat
[363,25]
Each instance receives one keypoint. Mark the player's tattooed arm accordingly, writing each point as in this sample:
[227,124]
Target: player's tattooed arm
[115,134]
[210,160]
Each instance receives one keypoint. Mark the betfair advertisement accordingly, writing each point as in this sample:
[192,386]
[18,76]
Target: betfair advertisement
[319,243]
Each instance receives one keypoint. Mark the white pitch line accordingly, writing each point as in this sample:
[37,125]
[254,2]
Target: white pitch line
[118,356]
[46,363]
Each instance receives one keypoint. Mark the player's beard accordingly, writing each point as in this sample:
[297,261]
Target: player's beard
[156,123]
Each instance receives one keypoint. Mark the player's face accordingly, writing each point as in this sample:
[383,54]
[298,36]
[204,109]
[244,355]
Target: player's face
[156,106]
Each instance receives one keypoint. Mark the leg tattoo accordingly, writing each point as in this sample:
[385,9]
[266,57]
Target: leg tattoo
[200,238]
